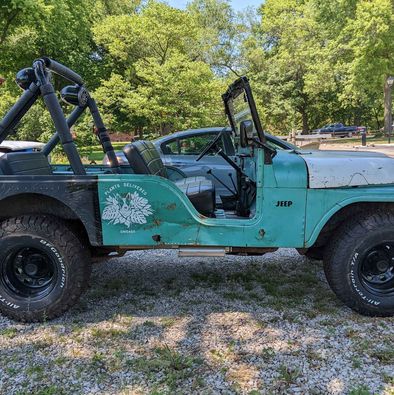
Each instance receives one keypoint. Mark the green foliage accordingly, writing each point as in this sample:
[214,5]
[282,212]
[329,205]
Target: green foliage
[158,82]
[316,62]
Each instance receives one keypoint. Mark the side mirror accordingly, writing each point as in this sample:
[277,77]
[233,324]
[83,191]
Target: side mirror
[245,131]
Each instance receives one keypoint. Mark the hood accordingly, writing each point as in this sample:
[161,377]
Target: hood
[334,169]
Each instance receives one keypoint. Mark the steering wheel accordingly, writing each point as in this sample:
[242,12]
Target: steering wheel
[209,146]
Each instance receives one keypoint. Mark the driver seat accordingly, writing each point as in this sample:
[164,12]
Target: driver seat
[144,158]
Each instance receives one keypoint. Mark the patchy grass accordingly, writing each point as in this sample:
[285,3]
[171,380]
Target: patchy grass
[384,355]
[167,365]
[9,332]
[362,390]
[107,333]
[289,374]
[95,153]
[274,286]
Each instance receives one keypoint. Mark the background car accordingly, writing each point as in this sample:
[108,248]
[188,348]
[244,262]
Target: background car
[181,150]
[339,130]
[20,146]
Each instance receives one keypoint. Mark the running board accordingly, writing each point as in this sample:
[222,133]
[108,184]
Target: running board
[207,251]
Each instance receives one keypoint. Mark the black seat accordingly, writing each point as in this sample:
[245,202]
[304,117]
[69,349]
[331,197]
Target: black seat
[25,163]
[145,159]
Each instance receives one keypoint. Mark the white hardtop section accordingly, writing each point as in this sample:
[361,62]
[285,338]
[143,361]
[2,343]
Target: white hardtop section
[334,169]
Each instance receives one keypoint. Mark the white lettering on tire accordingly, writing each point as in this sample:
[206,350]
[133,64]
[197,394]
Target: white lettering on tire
[60,260]
[354,283]
[7,303]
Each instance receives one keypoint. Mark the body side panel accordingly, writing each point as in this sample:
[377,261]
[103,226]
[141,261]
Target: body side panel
[78,193]
[322,204]
[171,219]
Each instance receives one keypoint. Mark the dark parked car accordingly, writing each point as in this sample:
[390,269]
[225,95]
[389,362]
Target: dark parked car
[181,150]
[339,130]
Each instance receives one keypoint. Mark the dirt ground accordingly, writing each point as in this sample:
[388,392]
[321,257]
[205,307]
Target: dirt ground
[385,148]
[155,323]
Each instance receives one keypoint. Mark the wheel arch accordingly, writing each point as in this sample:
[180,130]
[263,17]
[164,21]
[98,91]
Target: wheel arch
[338,215]
[36,203]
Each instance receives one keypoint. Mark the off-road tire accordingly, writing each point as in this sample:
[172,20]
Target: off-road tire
[348,255]
[66,268]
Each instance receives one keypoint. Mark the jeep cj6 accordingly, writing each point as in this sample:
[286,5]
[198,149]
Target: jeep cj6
[335,206]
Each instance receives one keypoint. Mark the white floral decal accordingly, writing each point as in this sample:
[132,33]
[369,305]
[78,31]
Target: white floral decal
[128,210]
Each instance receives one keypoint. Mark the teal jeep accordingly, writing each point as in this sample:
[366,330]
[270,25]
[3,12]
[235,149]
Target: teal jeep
[334,206]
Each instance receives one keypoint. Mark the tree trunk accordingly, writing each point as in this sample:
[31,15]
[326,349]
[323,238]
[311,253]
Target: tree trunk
[165,129]
[388,104]
[305,122]
[377,120]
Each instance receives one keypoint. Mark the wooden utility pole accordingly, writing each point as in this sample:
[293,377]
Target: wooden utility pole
[388,106]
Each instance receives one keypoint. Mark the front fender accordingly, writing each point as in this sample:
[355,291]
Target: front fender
[323,204]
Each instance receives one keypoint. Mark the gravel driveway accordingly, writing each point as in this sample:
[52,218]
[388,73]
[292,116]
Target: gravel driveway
[154,323]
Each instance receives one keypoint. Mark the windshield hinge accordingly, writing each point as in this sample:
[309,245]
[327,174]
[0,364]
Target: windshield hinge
[269,152]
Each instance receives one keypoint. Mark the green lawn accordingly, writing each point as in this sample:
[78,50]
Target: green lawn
[96,154]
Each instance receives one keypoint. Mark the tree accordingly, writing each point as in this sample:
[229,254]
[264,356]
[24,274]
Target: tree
[60,29]
[158,80]
[291,45]
[220,34]
[368,42]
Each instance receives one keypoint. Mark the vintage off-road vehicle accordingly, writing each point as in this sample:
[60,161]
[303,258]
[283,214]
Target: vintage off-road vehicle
[338,206]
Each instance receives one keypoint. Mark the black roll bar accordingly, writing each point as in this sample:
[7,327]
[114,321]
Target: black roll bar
[103,135]
[18,110]
[63,71]
[41,85]
[50,99]
[53,141]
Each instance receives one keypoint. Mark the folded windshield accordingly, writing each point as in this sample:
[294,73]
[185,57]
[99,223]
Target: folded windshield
[240,106]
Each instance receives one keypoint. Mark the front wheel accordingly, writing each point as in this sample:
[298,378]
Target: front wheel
[359,264]
[43,268]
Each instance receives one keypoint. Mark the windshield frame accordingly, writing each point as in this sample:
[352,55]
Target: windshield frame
[237,88]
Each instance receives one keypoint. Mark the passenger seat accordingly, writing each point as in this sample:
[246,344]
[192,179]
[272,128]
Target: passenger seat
[25,164]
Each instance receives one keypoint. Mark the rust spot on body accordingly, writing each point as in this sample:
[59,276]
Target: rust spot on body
[171,206]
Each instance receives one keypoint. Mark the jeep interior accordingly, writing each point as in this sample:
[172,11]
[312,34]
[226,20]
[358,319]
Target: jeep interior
[142,156]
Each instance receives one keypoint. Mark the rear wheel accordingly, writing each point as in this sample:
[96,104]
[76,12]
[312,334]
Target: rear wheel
[359,264]
[43,268]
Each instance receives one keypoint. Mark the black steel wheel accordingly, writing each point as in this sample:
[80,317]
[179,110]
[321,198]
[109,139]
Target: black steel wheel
[29,272]
[43,268]
[377,269]
[359,263]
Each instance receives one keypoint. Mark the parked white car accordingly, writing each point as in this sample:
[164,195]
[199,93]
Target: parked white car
[21,146]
